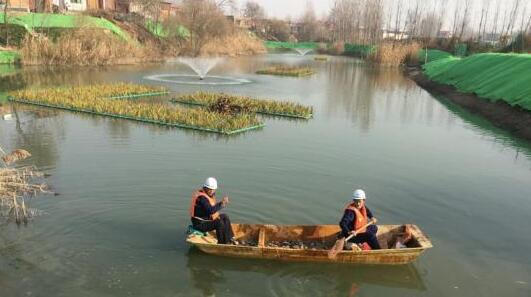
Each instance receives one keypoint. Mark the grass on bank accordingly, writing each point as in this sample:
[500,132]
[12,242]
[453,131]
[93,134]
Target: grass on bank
[9,57]
[82,100]
[270,107]
[492,76]
[282,70]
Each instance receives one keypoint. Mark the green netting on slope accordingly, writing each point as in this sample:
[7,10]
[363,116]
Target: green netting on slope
[359,49]
[159,30]
[460,49]
[280,44]
[9,57]
[492,76]
[32,21]
[433,55]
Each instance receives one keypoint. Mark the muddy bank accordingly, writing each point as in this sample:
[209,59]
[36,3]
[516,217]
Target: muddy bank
[513,119]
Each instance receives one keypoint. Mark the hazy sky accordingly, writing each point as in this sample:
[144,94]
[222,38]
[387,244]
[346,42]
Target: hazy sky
[293,8]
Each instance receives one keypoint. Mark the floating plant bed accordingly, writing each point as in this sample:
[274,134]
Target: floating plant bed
[320,58]
[197,119]
[113,91]
[267,107]
[287,71]
[140,95]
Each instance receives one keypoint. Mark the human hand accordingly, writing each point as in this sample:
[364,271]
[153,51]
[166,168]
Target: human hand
[374,220]
[225,200]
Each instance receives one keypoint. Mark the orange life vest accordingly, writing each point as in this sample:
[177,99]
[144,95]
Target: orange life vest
[211,200]
[361,218]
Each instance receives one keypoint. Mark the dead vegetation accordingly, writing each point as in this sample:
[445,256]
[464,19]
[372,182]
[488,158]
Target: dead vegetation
[395,54]
[17,186]
[240,43]
[85,47]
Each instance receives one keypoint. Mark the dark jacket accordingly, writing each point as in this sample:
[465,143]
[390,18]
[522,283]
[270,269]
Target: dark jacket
[204,210]
[347,221]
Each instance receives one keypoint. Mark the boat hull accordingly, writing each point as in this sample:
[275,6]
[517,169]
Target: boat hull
[323,233]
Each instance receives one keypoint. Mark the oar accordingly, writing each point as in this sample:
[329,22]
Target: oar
[340,243]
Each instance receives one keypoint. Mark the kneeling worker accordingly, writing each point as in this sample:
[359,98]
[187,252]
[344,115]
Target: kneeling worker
[355,216]
[204,212]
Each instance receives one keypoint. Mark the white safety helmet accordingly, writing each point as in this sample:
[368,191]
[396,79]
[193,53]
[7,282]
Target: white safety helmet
[359,194]
[211,183]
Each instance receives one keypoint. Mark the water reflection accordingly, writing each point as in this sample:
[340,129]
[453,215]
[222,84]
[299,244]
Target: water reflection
[210,274]
[37,130]
[486,128]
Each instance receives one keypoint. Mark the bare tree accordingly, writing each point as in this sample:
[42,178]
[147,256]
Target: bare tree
[253,11]
[465,19]
[204,20]
[309,24]
[150,9]
[278,30]
[6,26]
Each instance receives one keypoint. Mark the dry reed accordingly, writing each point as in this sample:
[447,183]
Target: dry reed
[17,185]
[395,54]
[236,44]
[84,47]
[16,155]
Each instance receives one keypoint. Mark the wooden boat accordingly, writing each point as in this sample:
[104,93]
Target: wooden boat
[313,243]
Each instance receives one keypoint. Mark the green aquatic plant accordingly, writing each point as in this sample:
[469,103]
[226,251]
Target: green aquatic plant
[271,107]
[287,71]
[82,100]
[117,90]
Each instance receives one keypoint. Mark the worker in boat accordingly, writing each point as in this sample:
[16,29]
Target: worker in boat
[204,212]
[355,216]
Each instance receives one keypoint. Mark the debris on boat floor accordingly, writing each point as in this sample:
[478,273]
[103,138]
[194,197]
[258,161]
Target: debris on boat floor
[297,244]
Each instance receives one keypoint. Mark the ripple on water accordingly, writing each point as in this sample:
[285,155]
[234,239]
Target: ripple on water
[185,79]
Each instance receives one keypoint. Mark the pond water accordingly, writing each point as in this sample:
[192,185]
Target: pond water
[117,227]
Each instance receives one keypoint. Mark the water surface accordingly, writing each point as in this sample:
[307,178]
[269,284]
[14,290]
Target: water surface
[117,227]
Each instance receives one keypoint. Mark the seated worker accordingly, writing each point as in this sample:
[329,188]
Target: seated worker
[204,212]
[355,216]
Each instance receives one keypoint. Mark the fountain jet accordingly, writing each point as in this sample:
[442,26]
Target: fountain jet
[201,66]
[303,51]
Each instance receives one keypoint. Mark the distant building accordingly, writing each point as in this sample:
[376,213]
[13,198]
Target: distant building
[394,35]
[445,34]
[18,5]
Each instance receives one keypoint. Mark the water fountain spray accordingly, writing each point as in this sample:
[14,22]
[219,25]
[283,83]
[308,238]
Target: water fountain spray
[303,51]
[201,66]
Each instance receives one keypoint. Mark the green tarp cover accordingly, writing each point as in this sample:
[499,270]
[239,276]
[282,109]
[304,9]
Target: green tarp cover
[433,55]
[32,21]
[159,30]
[492,76]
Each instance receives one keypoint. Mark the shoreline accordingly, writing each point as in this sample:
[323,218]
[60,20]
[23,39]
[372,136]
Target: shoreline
[513,119]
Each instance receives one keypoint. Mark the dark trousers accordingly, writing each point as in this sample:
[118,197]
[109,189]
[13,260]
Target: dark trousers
[222,226]
[369,237]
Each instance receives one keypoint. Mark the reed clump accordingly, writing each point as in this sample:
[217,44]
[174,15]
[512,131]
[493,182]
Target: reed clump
[272,107]
[236,44]
[283,70]
[17,185]
[85,47]
[78,99]
[395,54]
